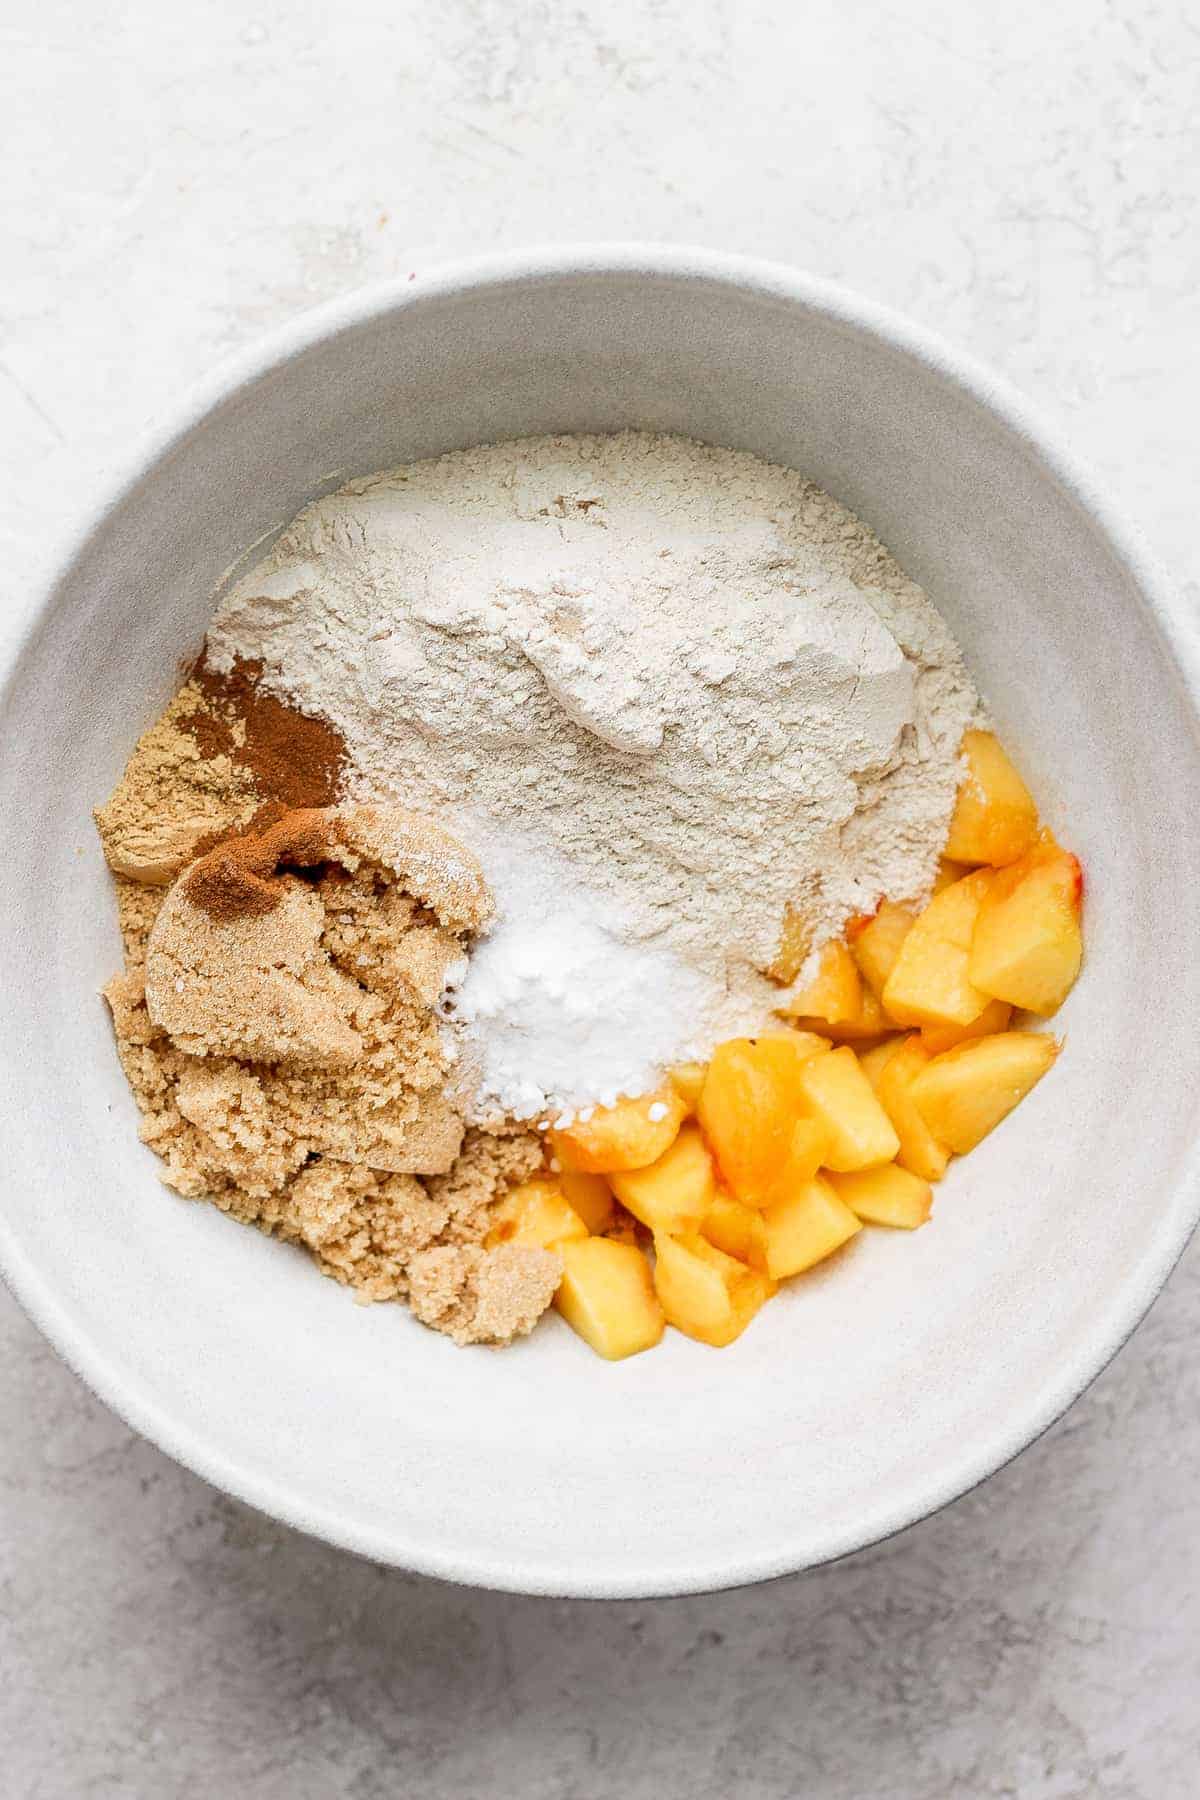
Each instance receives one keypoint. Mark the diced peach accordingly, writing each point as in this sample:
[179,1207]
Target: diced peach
[948,873]
[838,1095]
[805,1228]
[869,1022]
[886,1196]
[705,1293]
[808,1043]
[995,820]
[875,943]
[591,1197]
[737,1230]
[1027,947]
[834,994]
[607,1295]
[964,1093]
[795,942]
[687,1079]
[919,1150]
[874,1061]
[674,1194]
[629,1135]
[929,984]
[536,1212]
[748,1109]
[994,1017]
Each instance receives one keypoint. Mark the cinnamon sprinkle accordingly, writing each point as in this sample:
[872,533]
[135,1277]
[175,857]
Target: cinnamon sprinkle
[238,878]
[294,758]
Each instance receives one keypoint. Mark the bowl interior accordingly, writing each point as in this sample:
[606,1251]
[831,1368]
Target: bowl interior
[879,1386]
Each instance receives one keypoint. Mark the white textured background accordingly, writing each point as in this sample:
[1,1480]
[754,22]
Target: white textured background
[1024,177]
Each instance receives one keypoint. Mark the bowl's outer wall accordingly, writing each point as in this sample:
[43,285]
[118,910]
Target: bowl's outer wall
[887,1381]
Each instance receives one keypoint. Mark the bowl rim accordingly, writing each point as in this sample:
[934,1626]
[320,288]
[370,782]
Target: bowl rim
[1164,613]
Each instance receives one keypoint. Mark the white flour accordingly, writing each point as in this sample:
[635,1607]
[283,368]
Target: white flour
[663,690]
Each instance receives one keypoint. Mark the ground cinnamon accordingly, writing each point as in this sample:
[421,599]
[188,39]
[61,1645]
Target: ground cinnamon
[292,757]
[239,877]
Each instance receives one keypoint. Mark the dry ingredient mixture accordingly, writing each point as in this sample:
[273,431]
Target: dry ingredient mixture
[485,804]
[662,690]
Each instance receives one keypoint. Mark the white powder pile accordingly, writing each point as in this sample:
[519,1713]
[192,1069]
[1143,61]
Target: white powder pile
[663,690]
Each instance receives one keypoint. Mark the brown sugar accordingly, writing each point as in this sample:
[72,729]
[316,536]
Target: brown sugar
[220,755]
[482,1296]
[287,1056]
[172,795]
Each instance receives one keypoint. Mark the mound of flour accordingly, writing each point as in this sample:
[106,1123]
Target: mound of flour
[662,689]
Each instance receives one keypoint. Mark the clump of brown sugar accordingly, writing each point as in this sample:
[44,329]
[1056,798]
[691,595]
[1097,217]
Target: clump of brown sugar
[278,1023]
[221,752]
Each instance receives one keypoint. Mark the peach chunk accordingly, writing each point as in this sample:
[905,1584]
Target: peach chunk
[808,1043]
[674,1194]
[834,995]
[929,984]
[1027,946]
[591,1197]
[748,1109]
[704,1293]
[875,1060]
[795,942]
[995,819]
[737,1230]
[629,1135]
[607,1295]
[875,942]
[886,1196]
[870,1021]
[687,1079]
[838,1095]
[948,873]
[994,1017]
[964,1093]
[536,1212]
[919,1151]
[806,1227]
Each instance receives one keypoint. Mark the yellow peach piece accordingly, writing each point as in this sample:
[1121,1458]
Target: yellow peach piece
[838,1095]
[964,1093]
[875,942]
[1027,947]
[674,1194]
[948,873]
[607,1295]
[875,1060]
[995,820]
[536,1212]
[808,1043]
[591,1197]
[629,1135]
[886,1196]
[737,1230]
[805,1228]
[687,1079]
[870,1021]
[919,1150]
[929,984]
[995,1016]
[834,995]
[705,1293]
[795,942]
[748,1109]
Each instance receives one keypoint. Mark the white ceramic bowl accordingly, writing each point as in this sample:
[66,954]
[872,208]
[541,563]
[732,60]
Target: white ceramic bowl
[874,1390]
